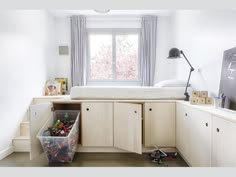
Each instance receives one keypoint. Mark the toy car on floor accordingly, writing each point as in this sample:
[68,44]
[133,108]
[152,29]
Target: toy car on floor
[158,155]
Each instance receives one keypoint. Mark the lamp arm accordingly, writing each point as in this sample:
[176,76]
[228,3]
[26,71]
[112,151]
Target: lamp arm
[186,93]
[191,70]
[188,80]
[187,60]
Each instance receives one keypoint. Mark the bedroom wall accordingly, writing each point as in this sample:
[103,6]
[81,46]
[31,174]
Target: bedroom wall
[27,56]
[62,33]
[164,68]
[203,36]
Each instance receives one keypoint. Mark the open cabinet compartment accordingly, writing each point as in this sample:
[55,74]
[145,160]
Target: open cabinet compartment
[70,106]
[39,115]
[56,148]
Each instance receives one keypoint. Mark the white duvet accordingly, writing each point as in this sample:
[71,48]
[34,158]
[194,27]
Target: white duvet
[140,93]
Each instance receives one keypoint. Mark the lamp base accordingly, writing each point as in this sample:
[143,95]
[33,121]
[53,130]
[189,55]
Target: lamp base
[186,96]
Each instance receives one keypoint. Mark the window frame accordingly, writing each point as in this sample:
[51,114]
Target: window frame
[113,32]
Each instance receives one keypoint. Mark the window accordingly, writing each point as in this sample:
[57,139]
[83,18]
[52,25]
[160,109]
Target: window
[113,57]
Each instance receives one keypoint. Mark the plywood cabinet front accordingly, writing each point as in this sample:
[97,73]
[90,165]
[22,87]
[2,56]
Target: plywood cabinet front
[182,130]
[97,124]
[160,124]
[223,143]
[193,135]
[128,127]
[200,138]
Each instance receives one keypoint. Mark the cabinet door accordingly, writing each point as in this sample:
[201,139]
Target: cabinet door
[97,124]
[128,127]
[160,124]
[200,138]
[39,114]
[182,130]
[223,143]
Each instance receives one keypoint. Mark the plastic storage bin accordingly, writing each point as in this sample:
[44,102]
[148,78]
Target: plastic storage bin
[57,148]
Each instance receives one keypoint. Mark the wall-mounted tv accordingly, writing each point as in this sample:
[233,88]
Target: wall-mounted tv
[228,78]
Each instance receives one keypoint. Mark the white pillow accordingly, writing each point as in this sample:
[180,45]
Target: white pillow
[171,83]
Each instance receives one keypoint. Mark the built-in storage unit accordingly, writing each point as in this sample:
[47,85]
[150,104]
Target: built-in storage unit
[203,135]
[193,135]
[110,125]
[206,136]
[103,123]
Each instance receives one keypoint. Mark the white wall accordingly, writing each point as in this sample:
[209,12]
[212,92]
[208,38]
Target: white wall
[27,46]
[62,33]
[203,36]
[164,68]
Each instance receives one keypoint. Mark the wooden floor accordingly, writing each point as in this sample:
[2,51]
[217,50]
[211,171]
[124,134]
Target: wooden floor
[92,160]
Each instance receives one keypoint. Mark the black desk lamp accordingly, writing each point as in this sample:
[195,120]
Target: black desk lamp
[174,53]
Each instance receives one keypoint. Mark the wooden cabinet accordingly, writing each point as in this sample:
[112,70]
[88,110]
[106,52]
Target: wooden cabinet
[193,135]
[103,124]
[200,138]
[128,127]
[97,124]
[223,143]
[160,124]
[182,130]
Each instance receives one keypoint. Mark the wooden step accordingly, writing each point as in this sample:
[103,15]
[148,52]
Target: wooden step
[21,144]
[24,129]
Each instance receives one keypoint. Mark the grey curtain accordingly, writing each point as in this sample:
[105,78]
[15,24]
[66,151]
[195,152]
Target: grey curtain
[148,49]
[78,50]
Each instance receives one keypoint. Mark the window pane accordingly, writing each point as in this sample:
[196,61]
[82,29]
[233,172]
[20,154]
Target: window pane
[100,56]
[127,56]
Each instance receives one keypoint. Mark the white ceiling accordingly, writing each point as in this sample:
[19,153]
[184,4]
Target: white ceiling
[66,13]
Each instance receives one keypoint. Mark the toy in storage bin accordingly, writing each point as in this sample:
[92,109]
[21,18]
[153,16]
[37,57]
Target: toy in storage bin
[60,148]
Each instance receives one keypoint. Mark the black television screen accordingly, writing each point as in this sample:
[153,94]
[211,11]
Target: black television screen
[228,78]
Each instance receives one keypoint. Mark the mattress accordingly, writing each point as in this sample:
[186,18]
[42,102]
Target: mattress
[135,93]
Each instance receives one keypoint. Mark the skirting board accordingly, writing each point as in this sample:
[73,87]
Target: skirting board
[6,152]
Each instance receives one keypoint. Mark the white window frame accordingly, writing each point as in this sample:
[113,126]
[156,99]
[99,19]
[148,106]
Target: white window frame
[113,32]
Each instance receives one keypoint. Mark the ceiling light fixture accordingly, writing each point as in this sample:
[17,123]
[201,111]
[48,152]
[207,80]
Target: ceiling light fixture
[102,11]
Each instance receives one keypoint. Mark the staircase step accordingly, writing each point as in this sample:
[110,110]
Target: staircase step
[21,144]
[22,138]
[24,128]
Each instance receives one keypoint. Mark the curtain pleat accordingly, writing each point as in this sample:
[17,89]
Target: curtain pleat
[148,49]
[78,50]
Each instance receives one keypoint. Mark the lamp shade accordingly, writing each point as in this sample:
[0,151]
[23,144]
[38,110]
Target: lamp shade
[174,53]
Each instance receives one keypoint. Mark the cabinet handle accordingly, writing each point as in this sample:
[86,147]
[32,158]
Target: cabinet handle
[206,124]
[218,130]
[150,109]
[186,114]
[135,112]
[87,109]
